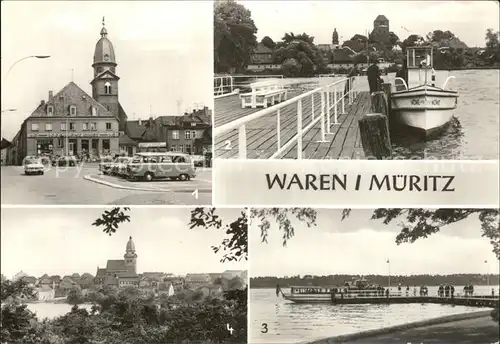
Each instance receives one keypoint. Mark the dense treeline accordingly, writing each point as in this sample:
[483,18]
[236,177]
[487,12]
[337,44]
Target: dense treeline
[235,40]
[429,280]
[123,316]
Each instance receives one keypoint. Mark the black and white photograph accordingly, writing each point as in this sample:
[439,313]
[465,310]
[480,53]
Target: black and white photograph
[374,276]
[124,276]
[367,80]
[107,102]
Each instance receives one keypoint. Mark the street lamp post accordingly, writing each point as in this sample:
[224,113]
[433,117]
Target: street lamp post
[25,58]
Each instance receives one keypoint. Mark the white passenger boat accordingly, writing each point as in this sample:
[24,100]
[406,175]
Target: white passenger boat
[334,294]
[419,104]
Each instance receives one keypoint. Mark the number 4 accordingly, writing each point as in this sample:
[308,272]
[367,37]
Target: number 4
[230,329]
[195,194]
[227,145]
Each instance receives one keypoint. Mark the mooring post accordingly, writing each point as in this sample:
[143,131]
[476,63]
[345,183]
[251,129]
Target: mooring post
[374,129]
[386,87]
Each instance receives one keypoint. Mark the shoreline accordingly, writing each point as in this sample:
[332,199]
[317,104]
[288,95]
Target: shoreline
[397,328]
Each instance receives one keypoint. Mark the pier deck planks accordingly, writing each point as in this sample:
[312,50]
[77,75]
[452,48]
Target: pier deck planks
[343,142]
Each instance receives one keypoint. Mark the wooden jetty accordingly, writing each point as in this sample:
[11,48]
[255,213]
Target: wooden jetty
[473,301]
[327,127]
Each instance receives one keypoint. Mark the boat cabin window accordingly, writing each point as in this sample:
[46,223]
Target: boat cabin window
[419,57]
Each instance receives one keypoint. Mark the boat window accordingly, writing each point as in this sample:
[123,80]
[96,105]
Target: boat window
[166,159]
[179,159]
[136,159]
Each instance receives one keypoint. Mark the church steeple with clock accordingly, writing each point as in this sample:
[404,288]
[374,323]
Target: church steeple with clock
[105,81]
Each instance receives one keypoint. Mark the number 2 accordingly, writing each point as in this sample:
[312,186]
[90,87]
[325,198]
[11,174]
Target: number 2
[227,145]
[264,328]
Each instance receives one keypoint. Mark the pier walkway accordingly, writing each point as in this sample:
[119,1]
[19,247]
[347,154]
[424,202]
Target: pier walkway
[472,301]
[314,124]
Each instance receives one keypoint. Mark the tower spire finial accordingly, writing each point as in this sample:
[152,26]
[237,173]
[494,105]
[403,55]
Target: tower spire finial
[104,32]
[103,23]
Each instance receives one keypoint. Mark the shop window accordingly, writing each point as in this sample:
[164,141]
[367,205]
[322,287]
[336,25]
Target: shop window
[48,126]
[173,148]
[50,110]
[188,149]
[108,126]
[59,142]
[181,148]
[175,134]
[106,146]
[34,126]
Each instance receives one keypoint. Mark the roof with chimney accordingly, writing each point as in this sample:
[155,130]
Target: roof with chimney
[69,95]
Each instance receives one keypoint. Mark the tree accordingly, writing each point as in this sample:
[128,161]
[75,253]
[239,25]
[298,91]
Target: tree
[298,55]
[234,36]
[393,39]
[75,297]
[268,42]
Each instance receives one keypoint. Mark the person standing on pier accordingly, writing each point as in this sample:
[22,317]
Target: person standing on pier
[441,291]
[452,291]
[352,73]
[414,290]
[373,75]
[447,290]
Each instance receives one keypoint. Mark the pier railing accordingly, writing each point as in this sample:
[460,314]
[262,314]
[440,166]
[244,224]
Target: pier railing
[333,100]
[228,84]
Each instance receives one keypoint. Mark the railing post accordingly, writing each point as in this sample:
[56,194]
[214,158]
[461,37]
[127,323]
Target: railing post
[242,141]
[299,129]
[328,124]
[323,112]
[231,83]
[343,105]
[312,106]
[335,101]
[350,90]
[278,127]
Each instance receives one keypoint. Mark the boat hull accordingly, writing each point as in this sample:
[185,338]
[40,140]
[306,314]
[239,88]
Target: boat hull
[425,111]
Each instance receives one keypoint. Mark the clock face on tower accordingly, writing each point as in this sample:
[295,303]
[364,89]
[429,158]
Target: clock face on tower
[106,57]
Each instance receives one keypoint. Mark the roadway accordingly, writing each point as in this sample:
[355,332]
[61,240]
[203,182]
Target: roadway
[81,185]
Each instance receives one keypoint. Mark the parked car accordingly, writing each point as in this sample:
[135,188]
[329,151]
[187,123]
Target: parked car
[152,165]
[61,161]
[33,166]
[105,164]
[119,166]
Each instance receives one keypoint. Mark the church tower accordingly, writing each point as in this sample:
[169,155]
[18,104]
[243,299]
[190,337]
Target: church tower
[130,257]
[105,81]
[335,37]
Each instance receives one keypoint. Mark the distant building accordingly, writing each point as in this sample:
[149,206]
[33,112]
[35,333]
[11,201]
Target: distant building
[380,32]
[123,272]
[195,281]
[326,52]
[261,55]
[230,274]
[190,133]
[212,291]
[46,293]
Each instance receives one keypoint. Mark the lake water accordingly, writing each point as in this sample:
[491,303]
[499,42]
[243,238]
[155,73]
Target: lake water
[52,310]
[288,322]
[474,130]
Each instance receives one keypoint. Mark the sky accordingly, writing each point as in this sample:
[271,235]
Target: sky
[466,19]
[164,51]
[362,246]
[62,241]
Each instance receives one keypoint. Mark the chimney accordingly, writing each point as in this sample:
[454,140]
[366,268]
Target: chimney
[51,95]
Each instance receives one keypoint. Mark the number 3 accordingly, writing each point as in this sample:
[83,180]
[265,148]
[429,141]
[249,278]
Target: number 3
[228,145]
[264,328]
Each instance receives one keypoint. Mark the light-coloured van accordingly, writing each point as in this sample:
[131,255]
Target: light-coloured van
[153,165]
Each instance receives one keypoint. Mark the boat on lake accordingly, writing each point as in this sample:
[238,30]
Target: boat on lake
[417,103]
[359,288]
